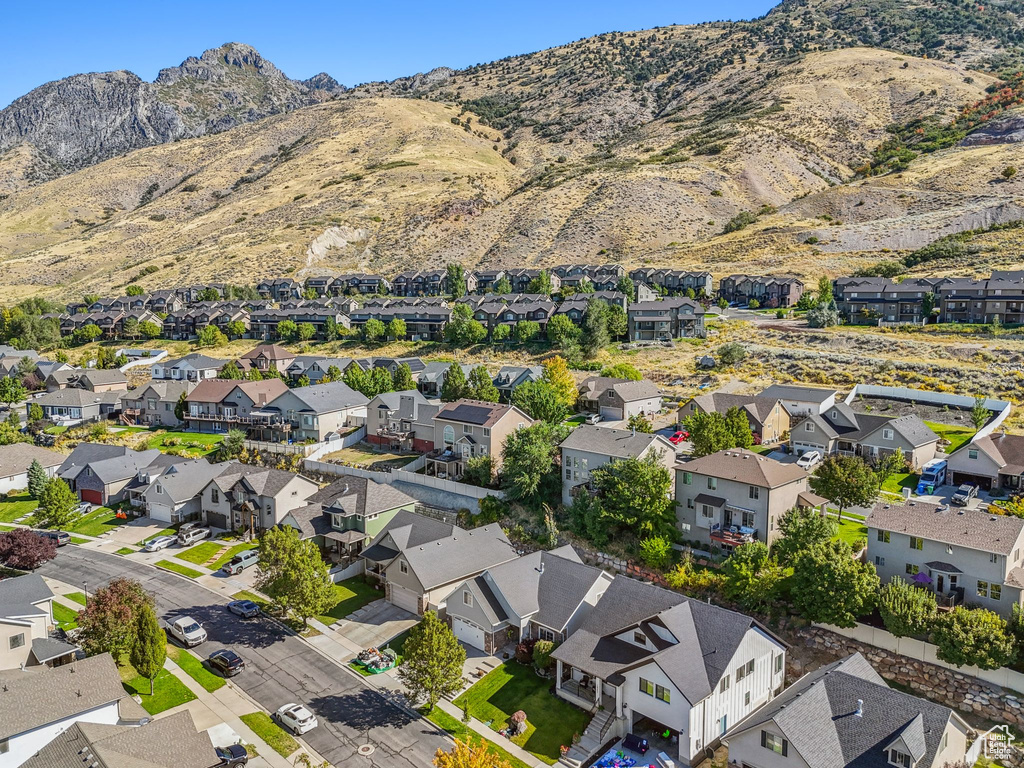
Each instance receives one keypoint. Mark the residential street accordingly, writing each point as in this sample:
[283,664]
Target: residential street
[280,668]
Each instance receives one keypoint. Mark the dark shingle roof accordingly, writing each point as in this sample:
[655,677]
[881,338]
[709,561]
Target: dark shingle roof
[23,590]
[327,398]
[617,443]
[958,526]
[458,556]
[795,392]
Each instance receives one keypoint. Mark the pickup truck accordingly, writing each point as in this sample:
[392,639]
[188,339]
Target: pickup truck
[187,631]
[964,494]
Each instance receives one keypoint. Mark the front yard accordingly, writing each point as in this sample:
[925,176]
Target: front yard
[190,444]
[896,483]
[462,732]
[168,690]
[200,553]
[13,507]
[351,595]
[97,522]
[551,722]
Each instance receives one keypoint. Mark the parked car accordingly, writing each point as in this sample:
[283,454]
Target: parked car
[84,507]
[228,663]
[241,561]
[60,537]
[159,542]
[809,459]
[187,631]
[192,535]
[247,609]
[594,418]
[964,494]
[231,756]
[296,718]
[679,437]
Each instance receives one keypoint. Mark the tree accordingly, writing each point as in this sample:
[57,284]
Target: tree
[134,290]
[231,447]
[433,661]
[626,371]
[150,647]
[230,371]
[130,328]
[556,373]
[635,495]
[739,427]
[709,433]
[503,286]
[928,304]
[722,303]
[823,315]
[562,332]
[25,550]
[150,330]
[639,423]
[456,280]
[906,610]
[332,331]
[741,569]
[35,412]
[530,468]
[402,380]
[463,329]
[455,385]
[541,283]
[526,330]
[801,529]
[501,333]
[109,622]
[9,435]
[235,329]
[37,479]
[731,353]
[374,330]
[889,465]
[211,336]
[305,331]
[626,286]
[333,374]
[979,412]
[830,587]
[618,321]
[356,378]
[539,400]
[846,481]
[595,327]
[977,636]
[302,381]
[396,328]
[587,518]
[209,294]
[87,333]
[542,650]
[181,406]
[824,290]
[656,551]
[58,505]
[11,390]
[1009,172]
[292,573]
[479,471]
[465,755]
[481,385]
[378,382]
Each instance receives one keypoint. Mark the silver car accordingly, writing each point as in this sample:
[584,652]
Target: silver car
[158,543]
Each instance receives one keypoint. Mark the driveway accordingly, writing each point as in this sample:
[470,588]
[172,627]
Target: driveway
[376,623]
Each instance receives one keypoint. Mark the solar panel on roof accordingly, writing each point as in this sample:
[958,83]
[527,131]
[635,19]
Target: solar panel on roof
[473,414]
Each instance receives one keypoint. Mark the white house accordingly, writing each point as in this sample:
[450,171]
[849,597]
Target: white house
[26,615]
[194,367]
[16,459]
[801,401]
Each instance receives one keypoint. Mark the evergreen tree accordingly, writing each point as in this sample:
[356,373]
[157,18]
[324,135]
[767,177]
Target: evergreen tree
[433,661]
[906,610]
[37,479]
[181,406]
[402,381]
[503,286]
[595,328]
[58,505]
[455,385]
[150,647]
[35,412]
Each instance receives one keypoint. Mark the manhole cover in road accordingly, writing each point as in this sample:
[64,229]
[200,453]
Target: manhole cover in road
[366,750]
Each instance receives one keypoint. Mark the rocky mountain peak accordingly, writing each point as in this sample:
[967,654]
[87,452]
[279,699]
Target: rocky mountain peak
[217,63]
[324,82]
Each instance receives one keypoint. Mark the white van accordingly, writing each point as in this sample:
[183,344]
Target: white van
[241,561]
[192,535]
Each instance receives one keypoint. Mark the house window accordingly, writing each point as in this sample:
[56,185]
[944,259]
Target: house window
[159,489]
[887,434]
[687,478]
[912,569]
[449,434]
[467,429]
[995,591]
[883,536]
[487,431]
[775,743]
[403,566]
[215,495]
[17,641]
[660,692]
[809,426]
[972,453]
[568,474]
[753,491]
[898,758]
[746,699]
[879,561]
[993,557]
[639,638]
[467,598]
[916,542]
[646,686]
[724,685]
[689,503]
[778,663]
[707,511]
[712,483]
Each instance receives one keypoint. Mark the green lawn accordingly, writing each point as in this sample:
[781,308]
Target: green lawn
[13,507]
[168,691]
[164,532]
[551,722]
[223,559]
[78,597]
[200,553]
[125,551]
[184,570]
[4,528]
[276,737]
[957,436]
[351,595]
[194,668]
[460,731]
[64,617]
[896,483]
[853,532]
[193,443]
[79,540]
[97,522]
[55,430]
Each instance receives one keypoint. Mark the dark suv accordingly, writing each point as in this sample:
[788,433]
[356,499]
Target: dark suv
[60,537]
[231,756]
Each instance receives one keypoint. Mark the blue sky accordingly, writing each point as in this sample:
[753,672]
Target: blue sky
[42,41]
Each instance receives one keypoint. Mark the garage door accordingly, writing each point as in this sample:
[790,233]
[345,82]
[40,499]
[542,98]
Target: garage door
[468,633]
[405,599]
[985,483]
[93,497]
[610,414]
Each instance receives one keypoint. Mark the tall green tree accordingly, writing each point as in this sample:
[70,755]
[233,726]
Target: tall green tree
[562,332]
[134,290]
[463,329]
[433,664]
[973,636]
[287,330]
[739,427]
[181,406]
[293,574]
[526,330]
[149,651]
[109,623]
[58,505]
[374,330]
[751,577]
[456,280]
[211,336]
[150,330]
[539,400]
[11,390]
[230,371]
[595,328]
[626,286]
[635,495]
[35,412]
[503,286]
[979,413]
[640,423]
[709,433]
[824,290]
[801,529]
[378,382]
[830,587]
[481,385]
[541,283]
[618,321]
[37,479]
[455,386]
[889,465]
[846,481]
[396,329]
[530,470]
[356,378]
[906,610]
[402,381]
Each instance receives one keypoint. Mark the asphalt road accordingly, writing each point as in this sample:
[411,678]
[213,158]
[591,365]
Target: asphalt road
[280,668]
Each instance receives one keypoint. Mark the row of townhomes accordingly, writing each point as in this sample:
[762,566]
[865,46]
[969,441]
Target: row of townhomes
[917,300]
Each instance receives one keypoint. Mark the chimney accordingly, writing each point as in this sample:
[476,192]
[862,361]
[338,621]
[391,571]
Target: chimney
[860,708]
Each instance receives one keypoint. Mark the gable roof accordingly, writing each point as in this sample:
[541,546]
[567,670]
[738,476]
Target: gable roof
[184,480]
[629,391]
[478,412]
[103,376]
[16,459]
[195,360]
[122,467]
[617,443]
[361,496]
[719,402]
[328,398]
[962,527]
[458,556]
[744,466]
[819,717]
[1007,451]
[19,594]
[84,454]
[77,398]
[797,392]
[841,421]
[270,351]
[215,390]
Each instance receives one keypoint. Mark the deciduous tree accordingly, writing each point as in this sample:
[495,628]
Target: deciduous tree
[374,330]
[396,328]
[455,385]
[709,433]
[481,385]
[562,332]
[292,573]
[539,400]
[595,327]
[640,423]
[526,330]
[846,481]
[109,622]
[25,550]
[801,529]
[402,381]
[58,505]
[211,336]
[530,470]
[11,390]
[973,636]
[556,373]
[635,495]
[622,371]
[433,661]
[830,587]
[230,371]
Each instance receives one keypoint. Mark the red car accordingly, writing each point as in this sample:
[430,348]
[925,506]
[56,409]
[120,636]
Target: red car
[678,437]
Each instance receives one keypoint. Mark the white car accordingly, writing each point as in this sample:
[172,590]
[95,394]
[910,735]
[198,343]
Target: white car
[296,718]
[594,418]
[809,459]
[187,631]
[158,543]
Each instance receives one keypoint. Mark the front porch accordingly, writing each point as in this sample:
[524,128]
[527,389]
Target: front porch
[587,691]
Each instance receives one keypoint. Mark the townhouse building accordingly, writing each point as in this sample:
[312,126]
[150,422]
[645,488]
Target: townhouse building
[768,290]
[423,322]
[674,282]
[361,283]
[281,289]
[521,279]
[874,300]
[263,324]
[672,318]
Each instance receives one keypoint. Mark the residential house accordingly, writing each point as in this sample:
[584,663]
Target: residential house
[734,496]
[511,377]
[15,461]
[346,515]
[404,530]
[26,615]
[217,405]
[41,703]
[617,399]
[659,661]
[842,430]
[467,429]
[962,555]
[195,367]
[799,400]
[767,417]
[575,307]
[846,714]
[310,413]
[103,478]
[667,319]
[265,358]
[591,447]
[245,497]
[769,291]
[320,285]
[154,404]
[543,595]
[995,461]
[359,283]
[75,406]
[430,380]
[401,421]
[521,279]
[171,492]
[62,378]
[102,380]
[433,282]
[486,279]
[315,367]
[392,364]
[674,281]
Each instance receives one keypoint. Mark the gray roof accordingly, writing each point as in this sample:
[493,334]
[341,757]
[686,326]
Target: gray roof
[629,391]
[719,402]
[817,715]
[616,443]
[184,480]
[744,466]
[796,392]
[458,556]
[166,390]
[77,398]
[37,696]
[850,425]
[1007,451]
[956,526]
[23,590]
[392,401]
[84,454]
[327,398]
[167,742]
[46,649]
[104,376]
[360,496]
[195,360]
[16,459]
[123,467]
